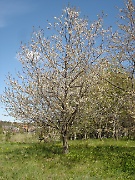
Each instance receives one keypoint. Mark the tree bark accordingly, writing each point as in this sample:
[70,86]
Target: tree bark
[85,135]
[74,135]
[65,144]
[64,139]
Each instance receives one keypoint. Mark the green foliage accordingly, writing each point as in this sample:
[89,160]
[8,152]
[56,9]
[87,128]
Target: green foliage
[91,159]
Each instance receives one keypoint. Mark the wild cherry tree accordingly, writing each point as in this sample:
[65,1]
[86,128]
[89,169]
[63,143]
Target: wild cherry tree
[123,49]
[120,83]
[124,40]
[57,72]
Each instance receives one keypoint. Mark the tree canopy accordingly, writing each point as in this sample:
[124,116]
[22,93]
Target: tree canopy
[81,69]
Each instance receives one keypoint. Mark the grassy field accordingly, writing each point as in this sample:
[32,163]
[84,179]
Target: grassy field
[87,160]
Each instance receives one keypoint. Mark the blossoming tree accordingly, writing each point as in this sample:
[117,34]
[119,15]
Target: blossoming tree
[57,72]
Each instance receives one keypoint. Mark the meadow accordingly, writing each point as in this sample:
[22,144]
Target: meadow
[87,160]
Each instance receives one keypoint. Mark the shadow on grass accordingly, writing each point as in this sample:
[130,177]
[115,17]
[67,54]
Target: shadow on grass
[31,150]
[113,157]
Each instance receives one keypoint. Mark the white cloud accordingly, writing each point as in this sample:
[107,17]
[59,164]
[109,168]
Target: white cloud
[11,8]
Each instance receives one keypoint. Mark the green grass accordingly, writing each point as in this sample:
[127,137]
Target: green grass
[87,160]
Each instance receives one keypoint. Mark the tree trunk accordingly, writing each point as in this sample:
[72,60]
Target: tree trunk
[99,133]
[74,135]
[64,139]
[115,130]
[65,144]
[85,135]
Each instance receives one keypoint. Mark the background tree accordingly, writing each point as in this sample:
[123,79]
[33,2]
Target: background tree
[123,40]
[123,51]
[109,108]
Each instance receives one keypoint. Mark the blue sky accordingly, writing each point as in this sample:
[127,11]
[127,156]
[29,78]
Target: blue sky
[17,17]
